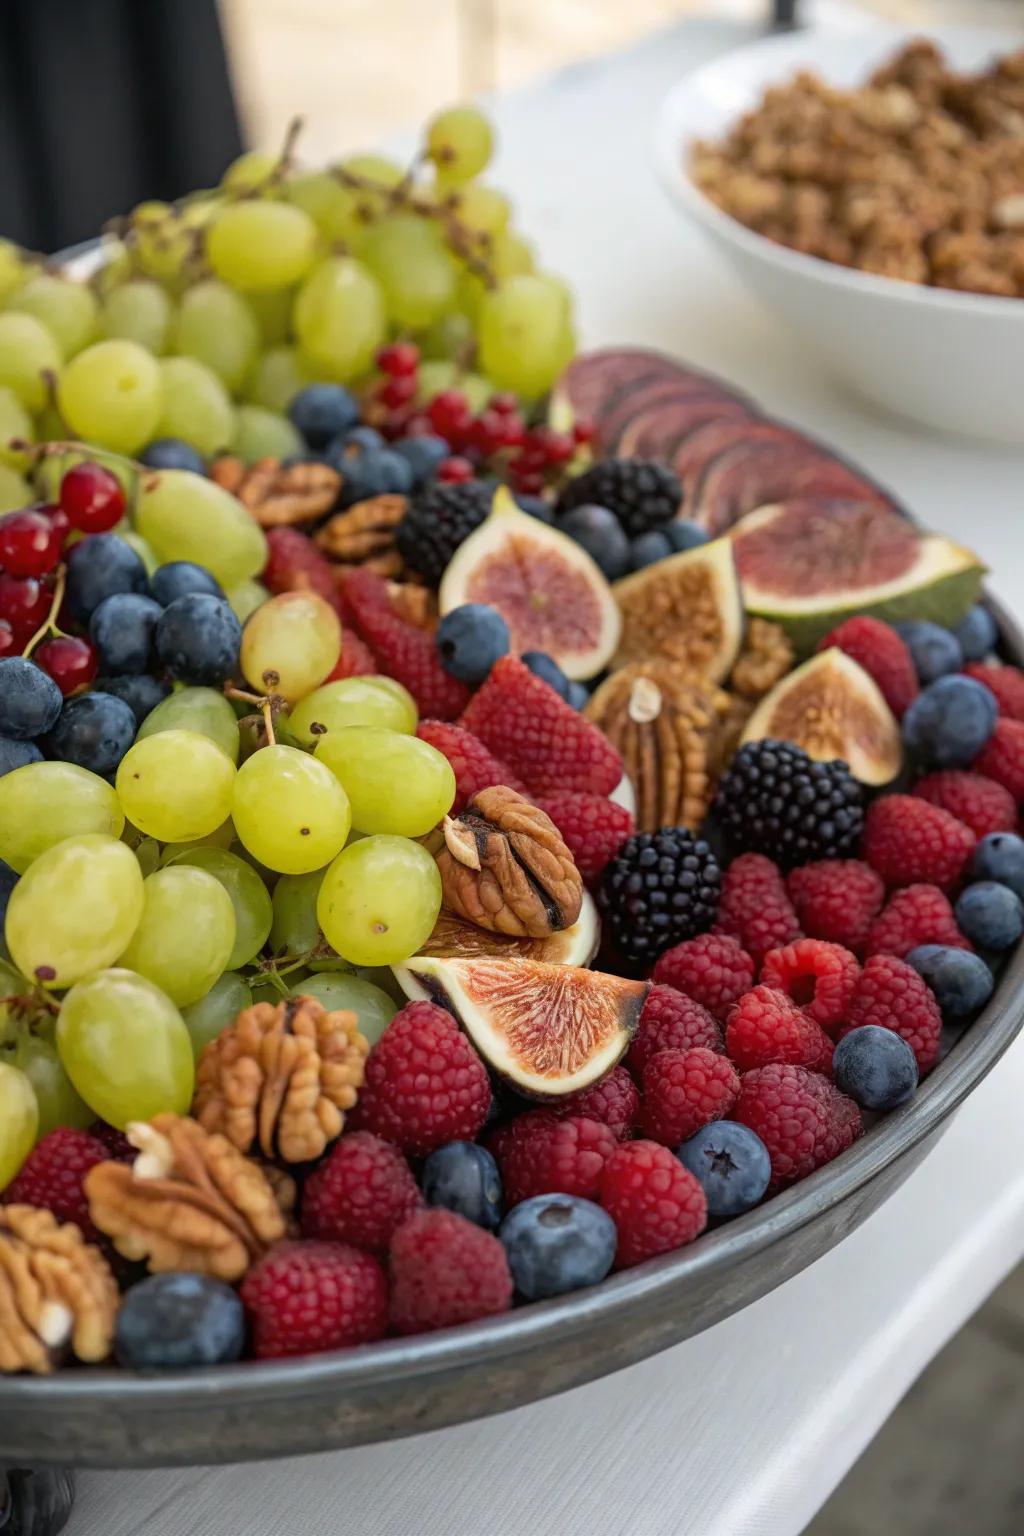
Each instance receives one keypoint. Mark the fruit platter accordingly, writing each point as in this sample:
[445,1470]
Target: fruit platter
[507,853]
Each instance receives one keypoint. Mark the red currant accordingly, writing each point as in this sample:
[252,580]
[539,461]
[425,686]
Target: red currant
[24,603]
[419,426]
[8,639]
[530,457]
[454,471]
[400,359]
[557,447]
[58,517]
[29,543]
[583,432]
[505,403]
[70,662]
[92,498]
[399,390]
[450,415]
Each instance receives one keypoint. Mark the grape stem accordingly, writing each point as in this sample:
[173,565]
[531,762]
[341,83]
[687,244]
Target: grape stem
[49,624]
[268,705]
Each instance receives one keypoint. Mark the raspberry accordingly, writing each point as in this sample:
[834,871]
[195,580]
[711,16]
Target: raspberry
[892,995]
[766,1025]
[425,1085]
[303,1298]
[801,1117]
[712,969]
[684,1090]
[670,1021]
[882,653]
[445,1270]
[910,842]
[754,907]
[294,564]
[524,723]
[53,1177]
[1002,757]
[655,1203]
[360,1193]
[1007,683]
[918,914]
[594,828]
[614,1101]
[116,1142]
[980,803]
[404,652]
[356,659]
[818,977]
[837,899]
[538,1154]
[473,766]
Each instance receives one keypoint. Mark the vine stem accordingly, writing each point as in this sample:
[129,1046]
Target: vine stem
[49,625]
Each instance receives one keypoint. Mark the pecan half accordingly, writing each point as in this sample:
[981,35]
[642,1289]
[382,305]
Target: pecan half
[276,496]
[505,867]
[56,1293]
[364,534]
[765,656]
[281,1078]
[189,1201]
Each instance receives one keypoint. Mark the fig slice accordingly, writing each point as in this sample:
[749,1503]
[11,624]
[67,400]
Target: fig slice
[748,476]
[657,430]
[832,708]
[685,609]
[550,592]
[548,1029]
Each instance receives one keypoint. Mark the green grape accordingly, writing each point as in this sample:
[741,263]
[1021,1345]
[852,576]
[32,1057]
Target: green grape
[374,1008]
[249,897]
[19,1121]
[137,542]
[352,701]
[195,709]
[334,209]
[220,1007]
[147,851]
[482,210]
[15,266]
[263,434]
[163,242]
[185,935]
[273,311]
[448,338]
[137,311]
[295,930]
[250,172]
[68,309]
[110,394]
[511,255]
[125,1047]
[186,517]
[216,326]
[394,783]
[408,257]
[289,810]
[259,245]
[267,991]
[176,785]
[434,377]
[278,377]
[15,425]
[28,352]
[291,644]
[43,803]
[15,490]
[339,318]
[379,900]
[385,175]
[460,142]
[57,1101]
[196,406]
[246,598]
[115,265]
[74,909]
[521,327]
[222,837]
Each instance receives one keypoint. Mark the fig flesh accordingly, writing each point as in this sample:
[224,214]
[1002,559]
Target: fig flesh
[685,609]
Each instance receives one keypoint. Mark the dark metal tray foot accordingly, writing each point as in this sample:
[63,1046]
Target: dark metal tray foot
[35,1501]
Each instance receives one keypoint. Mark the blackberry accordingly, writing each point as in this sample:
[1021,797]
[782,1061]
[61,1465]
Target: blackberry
[438,521]
[661,888]
[776,800]
[643,495]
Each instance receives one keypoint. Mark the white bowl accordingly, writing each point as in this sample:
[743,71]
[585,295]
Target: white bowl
[950,360]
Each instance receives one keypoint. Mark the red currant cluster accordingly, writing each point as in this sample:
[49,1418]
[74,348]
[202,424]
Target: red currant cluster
[32,543]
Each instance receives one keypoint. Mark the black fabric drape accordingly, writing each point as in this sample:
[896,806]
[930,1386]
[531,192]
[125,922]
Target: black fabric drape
[104,103]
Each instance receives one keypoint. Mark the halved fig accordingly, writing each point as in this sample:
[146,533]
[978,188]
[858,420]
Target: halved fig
[550,1030]
[549,591]
[749,476]
[657,430]
[832,708]
[686,610]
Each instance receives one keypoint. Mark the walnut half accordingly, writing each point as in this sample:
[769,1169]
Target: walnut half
[56,1293]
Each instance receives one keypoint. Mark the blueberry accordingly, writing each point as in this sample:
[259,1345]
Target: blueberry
[470,640]
[423,455]
[30,700]
[578,696]
[172,453]
[367,472]
[1000,856]
[977,633]
[121,629]
[94,730]
[557,1243]
[962,982]
[600,534]
[323,411]
[8,880]
[97,568]
[684,535]
[15,754]
[544,666]
[934,650]
[731,1164]
[536,506]
[948,723]
[464,1178]
[181,576]
[360,437]
[875,1067]
[174,1322]
[990,915]
[142,694]
[197,639]
[648,549]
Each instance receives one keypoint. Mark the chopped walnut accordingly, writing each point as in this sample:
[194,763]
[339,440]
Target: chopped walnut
[765,657]
[364,534]
[279,497]
[57,1293]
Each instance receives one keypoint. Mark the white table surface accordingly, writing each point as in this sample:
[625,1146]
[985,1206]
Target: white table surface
[747,1428]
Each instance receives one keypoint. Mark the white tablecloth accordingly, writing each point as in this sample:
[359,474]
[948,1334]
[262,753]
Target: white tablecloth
[749,1427]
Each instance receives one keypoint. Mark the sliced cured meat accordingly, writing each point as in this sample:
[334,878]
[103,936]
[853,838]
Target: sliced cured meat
[658,430]
[749,476]
[699,448]
[592,378]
